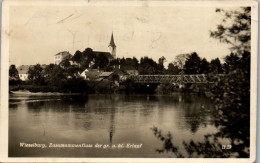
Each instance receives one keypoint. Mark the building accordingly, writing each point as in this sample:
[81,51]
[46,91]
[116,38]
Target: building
[105,75]
[132,72]
[107,54]
[111,55]
[61,56]
[112,47]
[90,74]
[23,72]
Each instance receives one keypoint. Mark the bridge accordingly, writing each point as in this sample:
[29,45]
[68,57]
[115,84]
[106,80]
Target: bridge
[175,79]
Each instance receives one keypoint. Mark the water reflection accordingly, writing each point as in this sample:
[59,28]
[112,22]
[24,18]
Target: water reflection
[108,119]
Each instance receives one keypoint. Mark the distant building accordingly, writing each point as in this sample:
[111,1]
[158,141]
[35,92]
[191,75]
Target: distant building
[61,56]
[107,54]
[73,63]
[90,74]
[112,47]
[111,55]
[105,75]
[122,75]
[132,72]
[23,72]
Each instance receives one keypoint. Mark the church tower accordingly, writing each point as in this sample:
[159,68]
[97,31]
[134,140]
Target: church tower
[112,47]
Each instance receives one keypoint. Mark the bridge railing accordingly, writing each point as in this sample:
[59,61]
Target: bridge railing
[179,79]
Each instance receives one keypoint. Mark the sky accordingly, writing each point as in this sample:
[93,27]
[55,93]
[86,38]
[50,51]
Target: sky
[37,33]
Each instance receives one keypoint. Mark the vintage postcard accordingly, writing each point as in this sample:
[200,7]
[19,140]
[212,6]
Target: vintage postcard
[128,81]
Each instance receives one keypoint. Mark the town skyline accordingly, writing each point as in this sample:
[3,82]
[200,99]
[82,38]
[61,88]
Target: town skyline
[144,34]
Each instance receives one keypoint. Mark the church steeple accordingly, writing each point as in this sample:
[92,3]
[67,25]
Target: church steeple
[112,47]
[112,43]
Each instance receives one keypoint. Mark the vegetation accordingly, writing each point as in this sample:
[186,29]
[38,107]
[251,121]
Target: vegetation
[230,94]
[13,76]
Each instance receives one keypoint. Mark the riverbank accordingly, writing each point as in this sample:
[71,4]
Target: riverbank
[101,88]
[26,92]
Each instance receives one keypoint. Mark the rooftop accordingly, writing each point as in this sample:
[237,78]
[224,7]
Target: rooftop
[105,74]
[23,69]
[112,43]
[63,53]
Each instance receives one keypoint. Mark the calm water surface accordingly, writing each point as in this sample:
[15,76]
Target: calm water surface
[105,119]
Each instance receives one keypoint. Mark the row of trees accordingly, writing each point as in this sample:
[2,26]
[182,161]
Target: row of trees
[193,64]
[52,77]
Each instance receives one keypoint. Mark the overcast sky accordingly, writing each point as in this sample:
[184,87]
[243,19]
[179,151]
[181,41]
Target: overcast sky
[38,33]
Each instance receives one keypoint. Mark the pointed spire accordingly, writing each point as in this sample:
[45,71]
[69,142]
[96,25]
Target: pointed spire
[112,43]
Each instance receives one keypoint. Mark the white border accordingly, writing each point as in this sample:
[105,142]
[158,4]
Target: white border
[5,65]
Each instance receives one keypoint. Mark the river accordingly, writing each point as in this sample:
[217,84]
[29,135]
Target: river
[105,121]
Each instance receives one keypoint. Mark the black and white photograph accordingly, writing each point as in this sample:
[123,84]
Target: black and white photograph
[129,79]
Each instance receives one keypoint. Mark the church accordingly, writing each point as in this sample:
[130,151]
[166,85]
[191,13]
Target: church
[111,55]
[112,47]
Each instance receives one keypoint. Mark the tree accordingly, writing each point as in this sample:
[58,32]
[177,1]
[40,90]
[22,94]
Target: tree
[180,60]
[231,93]
[173,69]
[160,64]
[215,66]
[55,76]
[13,76]
[101,61]
[147,66]
[135,62]
[161,60]
[230,63]
[65,62]
[235,29]
[129,64]
[192,64]
[13,73]
[35,74]
[87,56]
[77,56]
[122,61]
[204,69]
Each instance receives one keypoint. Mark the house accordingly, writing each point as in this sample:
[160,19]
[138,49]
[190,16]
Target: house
[23,72]
[91,74]
[73,63]
[122,76]
[105,76]
[132,72]
[61,56]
